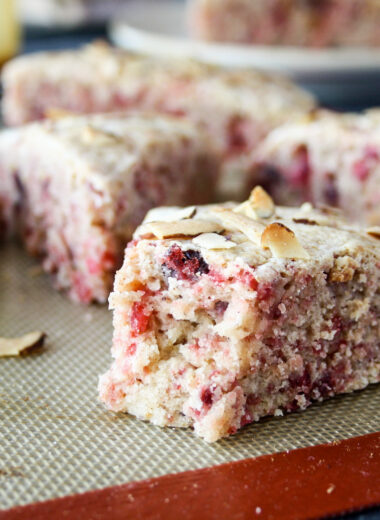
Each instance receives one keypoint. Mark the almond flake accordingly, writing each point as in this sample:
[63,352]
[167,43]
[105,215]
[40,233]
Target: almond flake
[17,346]
[235,221]
[374,232]
[306,207]
[58,113]
[329,210]
[170,214]
[245,208]
[187,227]
[259,205]
[305,221]
[213,241]
[282,242]
[261,202]
[94,136]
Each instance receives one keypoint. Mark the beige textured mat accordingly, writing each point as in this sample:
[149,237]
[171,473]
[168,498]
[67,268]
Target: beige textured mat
[55,439]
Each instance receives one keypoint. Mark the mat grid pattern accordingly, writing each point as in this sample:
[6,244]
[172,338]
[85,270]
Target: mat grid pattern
[56,439]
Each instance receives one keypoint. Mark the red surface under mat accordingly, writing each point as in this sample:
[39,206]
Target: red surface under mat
[301,484]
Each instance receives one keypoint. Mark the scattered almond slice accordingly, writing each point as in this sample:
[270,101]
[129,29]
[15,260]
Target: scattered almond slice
[213,241]
[374,232]
[282,242]
[261,202]
[187,227]
[249,227]
[170,214]
[21,345]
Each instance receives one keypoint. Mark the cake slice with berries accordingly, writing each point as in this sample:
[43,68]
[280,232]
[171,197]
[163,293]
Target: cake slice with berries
[77,187]
[306,23]
[225,314]
[327,158]
[237,107]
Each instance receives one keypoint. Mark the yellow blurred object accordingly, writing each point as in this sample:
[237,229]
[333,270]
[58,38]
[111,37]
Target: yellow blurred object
[10,35]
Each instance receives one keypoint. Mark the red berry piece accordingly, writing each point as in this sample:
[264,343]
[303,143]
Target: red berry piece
[139,318]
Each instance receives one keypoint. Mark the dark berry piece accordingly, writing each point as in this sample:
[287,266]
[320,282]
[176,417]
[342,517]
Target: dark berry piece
[207,396]
[330,191]
[184,265]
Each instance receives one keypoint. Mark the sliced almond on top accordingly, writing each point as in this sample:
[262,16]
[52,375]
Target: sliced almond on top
[245,208]
[22,344]
[282,242]
[306,207]
[95,136]
[213,241]
[259,205]
[374,231]
[261,202]
[235,221]
[58,113]
[306,221]
[187,227]
[330,210]
[169,214]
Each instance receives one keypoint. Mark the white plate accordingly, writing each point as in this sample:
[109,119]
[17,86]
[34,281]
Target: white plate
[159,27]
[339,75]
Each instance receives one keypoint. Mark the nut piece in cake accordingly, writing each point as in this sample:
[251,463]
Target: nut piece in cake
[77,187]
[216,336]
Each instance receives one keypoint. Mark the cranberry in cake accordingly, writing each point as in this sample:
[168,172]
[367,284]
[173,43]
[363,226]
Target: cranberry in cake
[76,188]
[226,314]
[310,23]
[236,107]
[327,158]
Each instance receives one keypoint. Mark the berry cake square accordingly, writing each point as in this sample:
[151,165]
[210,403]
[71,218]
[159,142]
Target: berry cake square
[326,158]
[225,314]
[236,107]
[77,187]
[310,23]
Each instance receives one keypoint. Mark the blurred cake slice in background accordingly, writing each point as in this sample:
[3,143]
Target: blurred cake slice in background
[76,188]
[319,23]
[237,108]
[327,158]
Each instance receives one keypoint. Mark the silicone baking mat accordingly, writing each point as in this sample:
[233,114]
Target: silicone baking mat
[56,439]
